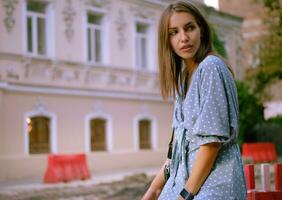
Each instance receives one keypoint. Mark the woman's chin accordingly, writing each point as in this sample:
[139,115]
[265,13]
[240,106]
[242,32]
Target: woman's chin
[187,56]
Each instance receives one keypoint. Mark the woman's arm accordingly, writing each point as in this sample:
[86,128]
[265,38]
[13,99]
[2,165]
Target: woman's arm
[203,164]
[157,185]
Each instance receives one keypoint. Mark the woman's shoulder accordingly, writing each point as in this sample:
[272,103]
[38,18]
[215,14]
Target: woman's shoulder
[212,62]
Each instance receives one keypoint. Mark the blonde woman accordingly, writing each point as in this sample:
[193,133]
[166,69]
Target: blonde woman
[206,162]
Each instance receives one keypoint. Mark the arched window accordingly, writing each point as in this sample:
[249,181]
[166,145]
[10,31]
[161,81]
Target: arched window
[39,134]
[98,134]
[144,127]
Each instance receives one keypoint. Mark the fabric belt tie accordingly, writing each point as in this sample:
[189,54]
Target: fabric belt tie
[179,155]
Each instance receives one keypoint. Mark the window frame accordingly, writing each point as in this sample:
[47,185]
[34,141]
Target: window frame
[105,55]
[153,136]
[104,136]
[140,134]
[49,30]
[150,51]
[53,130]
[109,135]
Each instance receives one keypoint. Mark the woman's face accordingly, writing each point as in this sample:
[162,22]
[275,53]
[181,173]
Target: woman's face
[185,35]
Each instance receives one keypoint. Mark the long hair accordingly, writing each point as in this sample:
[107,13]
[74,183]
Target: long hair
[170,64]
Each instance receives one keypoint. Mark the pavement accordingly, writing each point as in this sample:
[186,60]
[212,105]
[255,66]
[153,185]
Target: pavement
[115,183]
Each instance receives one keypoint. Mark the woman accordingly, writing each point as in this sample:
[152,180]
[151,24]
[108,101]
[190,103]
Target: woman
[206,162]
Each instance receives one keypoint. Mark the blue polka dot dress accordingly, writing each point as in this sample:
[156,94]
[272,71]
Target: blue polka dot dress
[208,113]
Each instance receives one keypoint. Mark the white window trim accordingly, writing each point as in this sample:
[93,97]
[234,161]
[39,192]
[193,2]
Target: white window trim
[141,36]
[93,28]
[50,30]
[53,130]
[105,39]
[154,138]
[151,53]
[109,130]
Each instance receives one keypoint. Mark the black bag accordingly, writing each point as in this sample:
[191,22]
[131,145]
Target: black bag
[169,154]
[166,172]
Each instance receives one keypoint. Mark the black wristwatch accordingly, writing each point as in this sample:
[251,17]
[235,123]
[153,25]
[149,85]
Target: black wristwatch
[186,195]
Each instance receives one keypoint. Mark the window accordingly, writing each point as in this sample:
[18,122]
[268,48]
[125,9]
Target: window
[145,134]
[36,27]
[94,37]
[98,134]
[145,131]
[39,134]
[141,45]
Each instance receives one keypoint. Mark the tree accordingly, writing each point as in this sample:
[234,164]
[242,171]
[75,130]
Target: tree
[217,44]
[251,113]
[270,67]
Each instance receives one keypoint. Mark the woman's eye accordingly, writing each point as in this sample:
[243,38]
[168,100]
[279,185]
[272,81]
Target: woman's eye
[172,33]
[189,28]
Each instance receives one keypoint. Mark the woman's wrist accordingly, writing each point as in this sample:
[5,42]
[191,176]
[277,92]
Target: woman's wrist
[186,195]
[190,187]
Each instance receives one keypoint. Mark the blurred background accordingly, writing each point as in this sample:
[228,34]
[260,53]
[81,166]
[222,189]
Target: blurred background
[81,76]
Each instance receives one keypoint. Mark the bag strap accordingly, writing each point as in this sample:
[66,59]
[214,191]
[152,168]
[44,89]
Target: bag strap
[169,153]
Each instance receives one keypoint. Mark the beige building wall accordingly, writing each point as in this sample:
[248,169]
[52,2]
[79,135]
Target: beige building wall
[69,90]
[71,113]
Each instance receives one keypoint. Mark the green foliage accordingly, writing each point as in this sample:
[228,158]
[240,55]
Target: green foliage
[271,4]
[251,113]
[253,127]
[270,131]
[217,44]
[276,120]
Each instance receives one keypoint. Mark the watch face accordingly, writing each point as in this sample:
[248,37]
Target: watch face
[186,195]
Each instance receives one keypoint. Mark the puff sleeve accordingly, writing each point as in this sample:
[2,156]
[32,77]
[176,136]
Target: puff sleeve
[213,121]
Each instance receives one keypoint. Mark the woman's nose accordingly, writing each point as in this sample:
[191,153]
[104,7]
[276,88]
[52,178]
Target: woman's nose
[183,36]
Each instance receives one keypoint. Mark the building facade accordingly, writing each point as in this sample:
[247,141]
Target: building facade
[81,77]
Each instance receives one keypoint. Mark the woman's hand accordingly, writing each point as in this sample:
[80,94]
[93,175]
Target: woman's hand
[156,186]
[180,198]
[151,194]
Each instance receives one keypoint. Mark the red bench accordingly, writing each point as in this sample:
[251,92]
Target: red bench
[265,193]
[65,168]
[259,152]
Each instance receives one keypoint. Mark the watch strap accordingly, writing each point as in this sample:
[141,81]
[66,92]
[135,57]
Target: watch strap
[186,195]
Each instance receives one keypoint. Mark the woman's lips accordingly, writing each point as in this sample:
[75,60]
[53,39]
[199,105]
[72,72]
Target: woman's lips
[186,48]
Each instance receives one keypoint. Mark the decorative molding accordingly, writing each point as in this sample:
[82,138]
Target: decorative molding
[39,106]
[65,74]
[121,27]
[98,3]
[12,73]
[82,92]
[142,11]
[68,77]
[98,108]
[69,13]
[9,20]
[145,111]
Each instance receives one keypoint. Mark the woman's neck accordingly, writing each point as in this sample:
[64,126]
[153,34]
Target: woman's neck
[191,65]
